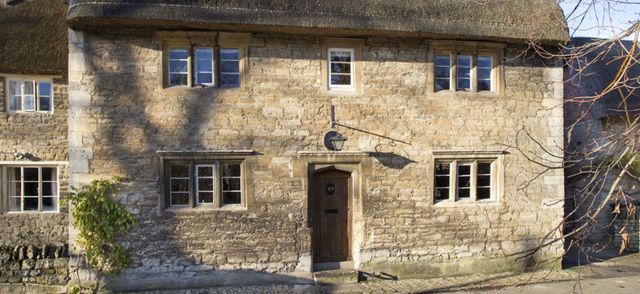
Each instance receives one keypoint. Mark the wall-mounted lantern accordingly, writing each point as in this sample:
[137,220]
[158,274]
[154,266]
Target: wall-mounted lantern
[337,141]
[332,139]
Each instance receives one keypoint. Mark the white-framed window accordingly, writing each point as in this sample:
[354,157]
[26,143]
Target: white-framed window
[193,66]
[26,95]
[341,66]
[464,67]
[216,183]
[229,67]
[485,73]
[464,72]
[205,63]
[231,184]
[31,188]
[179,184]
[178,66]
[443,72]
[205,183]
[465,180]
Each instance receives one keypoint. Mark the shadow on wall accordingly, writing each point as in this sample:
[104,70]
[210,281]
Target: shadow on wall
[173,250]
[392,160]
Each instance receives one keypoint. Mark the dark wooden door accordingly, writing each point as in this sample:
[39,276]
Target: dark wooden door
[332,216]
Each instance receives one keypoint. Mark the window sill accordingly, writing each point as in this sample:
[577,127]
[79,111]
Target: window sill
[467,94]
[205,208]
[342,91]
[466,203]
[30,212]
[30,112]
[199,87]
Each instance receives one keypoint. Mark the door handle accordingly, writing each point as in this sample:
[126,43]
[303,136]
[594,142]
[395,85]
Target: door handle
[331,211]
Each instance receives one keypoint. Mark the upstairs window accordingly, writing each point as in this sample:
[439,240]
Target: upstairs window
[341,68]
[443,72]
[31,188]
[196,66]
[229,67]
[204,66]
[178,66]
[485,69]
[464,72]
[30,95]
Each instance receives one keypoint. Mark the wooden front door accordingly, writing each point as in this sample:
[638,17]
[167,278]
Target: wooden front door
[332,216]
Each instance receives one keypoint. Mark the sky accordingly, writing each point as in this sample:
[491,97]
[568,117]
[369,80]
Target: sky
[603,19]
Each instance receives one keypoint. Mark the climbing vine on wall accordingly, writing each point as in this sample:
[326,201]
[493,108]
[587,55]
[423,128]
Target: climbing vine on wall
[100,221]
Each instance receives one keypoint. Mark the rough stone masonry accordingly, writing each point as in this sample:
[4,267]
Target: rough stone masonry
[120,115]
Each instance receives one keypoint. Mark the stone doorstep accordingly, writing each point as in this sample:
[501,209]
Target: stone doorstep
[335,277]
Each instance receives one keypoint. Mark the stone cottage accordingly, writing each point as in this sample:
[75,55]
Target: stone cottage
[33,142]
[266,140]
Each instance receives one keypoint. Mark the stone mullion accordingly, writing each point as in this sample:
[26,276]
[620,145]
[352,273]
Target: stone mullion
[453,180]
[454,72]
[474,181]
[192,186]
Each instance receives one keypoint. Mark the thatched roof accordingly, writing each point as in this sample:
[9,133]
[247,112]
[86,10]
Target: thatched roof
[463,19]
[33,37]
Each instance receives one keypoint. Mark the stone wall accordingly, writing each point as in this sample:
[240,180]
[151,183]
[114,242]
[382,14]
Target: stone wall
[120,116]
[2,94]
[46,265]
[627,228]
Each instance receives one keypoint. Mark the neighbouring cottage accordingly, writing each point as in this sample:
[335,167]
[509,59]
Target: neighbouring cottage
[218,114]
[599,129]
[33,143]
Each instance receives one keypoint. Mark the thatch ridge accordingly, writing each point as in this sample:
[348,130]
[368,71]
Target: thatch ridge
[475,19]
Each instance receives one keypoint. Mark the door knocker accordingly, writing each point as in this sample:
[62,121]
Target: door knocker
[330,189]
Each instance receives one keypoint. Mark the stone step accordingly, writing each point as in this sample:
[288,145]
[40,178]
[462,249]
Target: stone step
[336,277]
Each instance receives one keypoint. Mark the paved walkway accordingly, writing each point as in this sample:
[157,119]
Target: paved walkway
[618,275]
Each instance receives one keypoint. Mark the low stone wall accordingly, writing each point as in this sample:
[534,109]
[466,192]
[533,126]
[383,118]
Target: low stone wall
[628,226]
[46,265]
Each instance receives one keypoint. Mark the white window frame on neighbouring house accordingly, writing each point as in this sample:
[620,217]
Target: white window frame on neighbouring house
[13,93]
[447,177]
[351,73]
[10,194]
